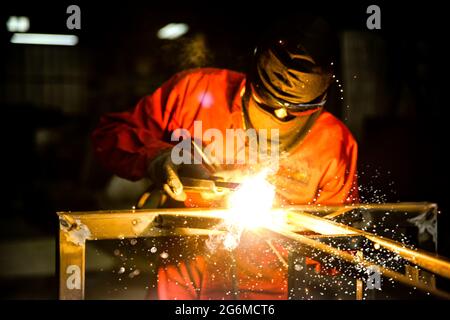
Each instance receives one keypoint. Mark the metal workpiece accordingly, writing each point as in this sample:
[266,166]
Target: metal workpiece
[312,231]
[362,263]
[435,264]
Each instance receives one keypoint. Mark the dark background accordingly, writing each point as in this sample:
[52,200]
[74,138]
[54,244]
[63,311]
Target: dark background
[51,98]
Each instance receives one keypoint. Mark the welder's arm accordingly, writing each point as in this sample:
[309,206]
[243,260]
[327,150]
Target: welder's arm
[162,171]
[339,184]
[126,143]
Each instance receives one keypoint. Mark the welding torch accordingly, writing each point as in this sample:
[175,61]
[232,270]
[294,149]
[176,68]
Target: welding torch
[203,181]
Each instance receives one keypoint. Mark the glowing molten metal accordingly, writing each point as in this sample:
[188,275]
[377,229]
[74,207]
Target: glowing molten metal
[250,206]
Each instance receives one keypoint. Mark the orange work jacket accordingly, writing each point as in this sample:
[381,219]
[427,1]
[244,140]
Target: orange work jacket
[319,170]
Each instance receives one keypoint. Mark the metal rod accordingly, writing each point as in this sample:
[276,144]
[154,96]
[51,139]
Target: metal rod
[337,213]
[110,224]
[278,254]
[401,206]
[356,260]
[435,264]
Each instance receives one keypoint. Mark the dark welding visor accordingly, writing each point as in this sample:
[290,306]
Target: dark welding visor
[265,100]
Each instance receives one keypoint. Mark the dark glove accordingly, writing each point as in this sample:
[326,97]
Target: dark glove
[163,172]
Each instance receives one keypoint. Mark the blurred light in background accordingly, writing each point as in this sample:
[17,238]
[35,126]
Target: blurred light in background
[44,39]
[172,31]
[18,24]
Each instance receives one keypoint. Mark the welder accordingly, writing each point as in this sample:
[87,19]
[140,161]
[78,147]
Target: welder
[285,88]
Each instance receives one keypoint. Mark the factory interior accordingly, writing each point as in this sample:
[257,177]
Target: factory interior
[393,102]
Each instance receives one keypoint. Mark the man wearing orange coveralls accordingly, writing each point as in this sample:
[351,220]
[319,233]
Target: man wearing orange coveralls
[286,89]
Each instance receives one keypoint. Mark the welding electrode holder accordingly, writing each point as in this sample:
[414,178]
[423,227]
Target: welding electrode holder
[155,197]
[195,177]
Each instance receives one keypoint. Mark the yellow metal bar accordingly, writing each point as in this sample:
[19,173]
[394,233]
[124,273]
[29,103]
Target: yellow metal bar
[277,253]
[337,213]
[77,227]
[71,268]
[359,282]
[144,223]
[356,260]
[412,272]
[433,263]
[317,224]
[206,212]
[401,207]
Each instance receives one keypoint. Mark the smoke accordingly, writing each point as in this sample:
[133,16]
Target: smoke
[188,52]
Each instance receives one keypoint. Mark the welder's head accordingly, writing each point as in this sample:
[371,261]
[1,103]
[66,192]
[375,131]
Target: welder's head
[286,88]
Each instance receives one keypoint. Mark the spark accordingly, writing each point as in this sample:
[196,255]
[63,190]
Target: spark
[250,207]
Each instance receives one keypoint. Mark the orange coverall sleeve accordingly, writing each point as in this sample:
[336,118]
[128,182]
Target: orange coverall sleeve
[339,183]
[126,142]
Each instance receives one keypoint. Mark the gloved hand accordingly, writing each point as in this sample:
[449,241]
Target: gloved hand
[234,175]
[162,171]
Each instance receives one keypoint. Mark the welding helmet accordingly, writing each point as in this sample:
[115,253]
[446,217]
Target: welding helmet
[286,88]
